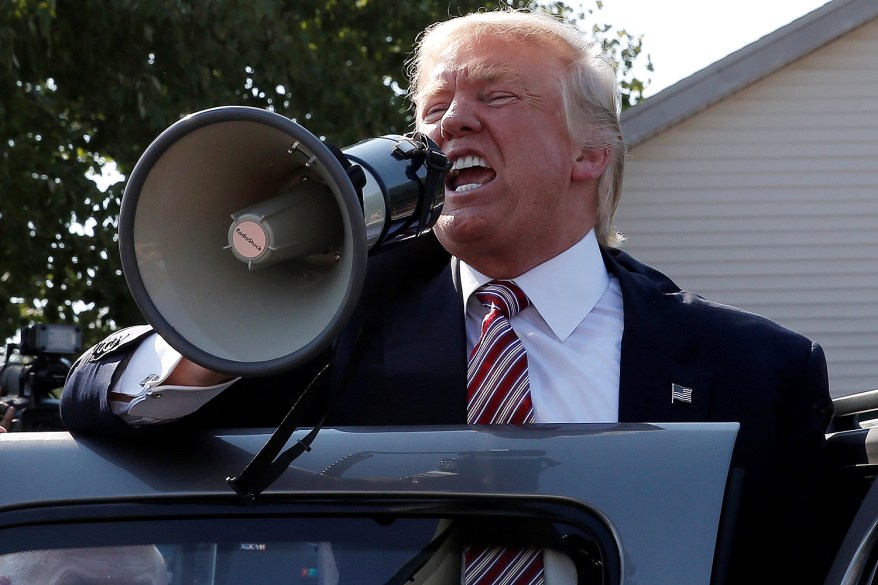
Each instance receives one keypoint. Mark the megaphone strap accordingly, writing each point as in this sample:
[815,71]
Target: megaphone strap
[267,465]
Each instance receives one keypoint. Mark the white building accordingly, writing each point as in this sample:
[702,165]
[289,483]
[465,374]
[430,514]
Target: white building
[755,183]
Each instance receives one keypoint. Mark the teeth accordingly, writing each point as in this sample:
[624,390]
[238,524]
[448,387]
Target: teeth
[469,162]
[467,187]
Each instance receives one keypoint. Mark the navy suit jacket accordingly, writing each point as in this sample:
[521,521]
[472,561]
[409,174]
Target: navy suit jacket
[402,360]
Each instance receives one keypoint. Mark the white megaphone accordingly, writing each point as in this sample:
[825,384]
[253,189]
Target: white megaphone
[244,238]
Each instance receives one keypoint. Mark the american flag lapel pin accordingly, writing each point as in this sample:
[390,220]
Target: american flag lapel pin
[681,394]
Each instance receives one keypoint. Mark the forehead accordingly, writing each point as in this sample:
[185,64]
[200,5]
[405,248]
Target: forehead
[488,60]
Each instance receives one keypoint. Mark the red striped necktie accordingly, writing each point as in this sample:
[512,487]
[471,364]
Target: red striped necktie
[499,393]
[502,566]
[497,378]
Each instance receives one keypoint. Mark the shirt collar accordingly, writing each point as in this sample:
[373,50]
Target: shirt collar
[563,289]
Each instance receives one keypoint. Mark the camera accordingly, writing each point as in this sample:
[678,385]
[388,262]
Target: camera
[33,374]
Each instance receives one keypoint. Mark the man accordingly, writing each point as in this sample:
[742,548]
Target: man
[529,116]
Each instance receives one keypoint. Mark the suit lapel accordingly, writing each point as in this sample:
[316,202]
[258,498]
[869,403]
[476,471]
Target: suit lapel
[658,381]
[425,349]
[403,358]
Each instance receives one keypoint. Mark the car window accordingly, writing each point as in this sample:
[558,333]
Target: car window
[377,549]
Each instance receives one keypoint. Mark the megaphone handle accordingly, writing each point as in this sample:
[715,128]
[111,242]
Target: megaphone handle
[431,184]
[267,465]
[437,165]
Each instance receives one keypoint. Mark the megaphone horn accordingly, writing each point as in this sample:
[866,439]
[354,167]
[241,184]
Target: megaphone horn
[244,237]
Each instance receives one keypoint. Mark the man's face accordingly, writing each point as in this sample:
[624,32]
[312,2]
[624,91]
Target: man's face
[515,195]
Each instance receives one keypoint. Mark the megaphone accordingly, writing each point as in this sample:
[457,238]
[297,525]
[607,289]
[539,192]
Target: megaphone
[244,237]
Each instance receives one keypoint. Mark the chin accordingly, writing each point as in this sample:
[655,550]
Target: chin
[461,230]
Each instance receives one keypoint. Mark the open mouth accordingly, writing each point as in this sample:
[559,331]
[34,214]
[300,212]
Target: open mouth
[468,173]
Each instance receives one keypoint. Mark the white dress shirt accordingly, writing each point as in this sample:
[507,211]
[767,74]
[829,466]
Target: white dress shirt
[572,333]
[149,400]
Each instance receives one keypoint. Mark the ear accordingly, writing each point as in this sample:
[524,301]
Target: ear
[590,163]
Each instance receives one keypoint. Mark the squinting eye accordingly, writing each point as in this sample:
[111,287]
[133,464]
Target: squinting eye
[500,99]
[433,113]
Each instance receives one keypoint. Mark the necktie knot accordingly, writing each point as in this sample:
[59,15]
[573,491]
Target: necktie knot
[504,295]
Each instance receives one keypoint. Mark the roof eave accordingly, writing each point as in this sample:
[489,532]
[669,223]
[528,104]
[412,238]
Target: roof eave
[744,67]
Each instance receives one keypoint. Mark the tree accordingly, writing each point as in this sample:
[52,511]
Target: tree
[85,84]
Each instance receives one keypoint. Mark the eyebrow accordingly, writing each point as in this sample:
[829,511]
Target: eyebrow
[479,73]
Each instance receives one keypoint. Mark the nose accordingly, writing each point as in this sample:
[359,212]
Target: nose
[459,119]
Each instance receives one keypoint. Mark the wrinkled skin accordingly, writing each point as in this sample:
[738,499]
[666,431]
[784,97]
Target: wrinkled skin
[521,190]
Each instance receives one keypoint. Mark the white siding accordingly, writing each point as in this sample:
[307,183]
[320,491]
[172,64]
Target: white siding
[769,201]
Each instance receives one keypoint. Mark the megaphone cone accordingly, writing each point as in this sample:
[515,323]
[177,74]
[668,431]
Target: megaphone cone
[243,237]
